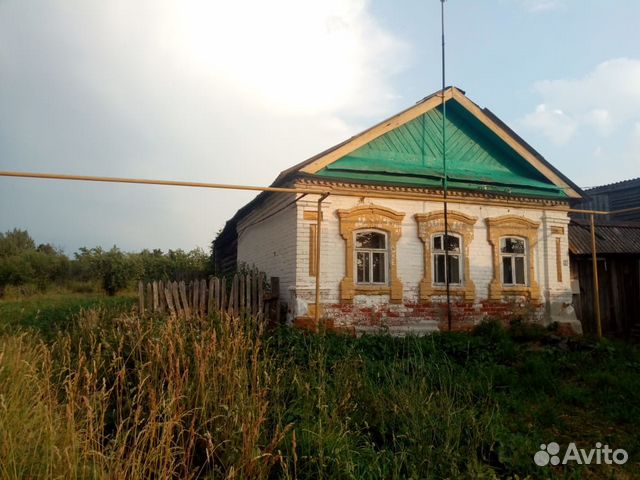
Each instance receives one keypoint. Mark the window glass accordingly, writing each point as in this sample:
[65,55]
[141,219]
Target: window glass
[519,270]
[514,261]
[370,240]
[363,267]
[512,245]
[378,267]
[454,269]
[439,269]
[371,257]
[507,271]
[452,242]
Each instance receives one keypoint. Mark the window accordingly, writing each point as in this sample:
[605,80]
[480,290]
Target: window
[452,243]
[371,257]
[513,239]
[386,224]
[513,258]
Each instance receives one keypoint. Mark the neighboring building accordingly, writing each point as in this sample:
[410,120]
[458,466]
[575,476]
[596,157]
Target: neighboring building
[382,258]
[618,260]
[615,196]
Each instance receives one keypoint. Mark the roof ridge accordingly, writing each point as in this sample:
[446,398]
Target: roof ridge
[613,184]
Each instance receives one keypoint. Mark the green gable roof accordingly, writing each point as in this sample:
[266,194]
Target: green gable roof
[411,154]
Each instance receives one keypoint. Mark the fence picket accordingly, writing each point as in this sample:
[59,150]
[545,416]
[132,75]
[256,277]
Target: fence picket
[195,295]
[210,296]
[241,294]
[149,299]
[223,294]
[246,294]
[168,296]
[161,297]
[254,291]
[154,288]
[141,297]
[182,288]
[176,299]
[203,297]
[261,293]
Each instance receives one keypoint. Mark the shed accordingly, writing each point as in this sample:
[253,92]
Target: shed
[618,259]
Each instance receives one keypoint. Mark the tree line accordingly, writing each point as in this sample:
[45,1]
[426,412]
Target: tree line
[23,262]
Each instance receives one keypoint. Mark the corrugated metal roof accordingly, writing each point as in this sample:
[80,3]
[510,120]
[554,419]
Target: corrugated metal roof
[621,185]
[615,196]
[611,237]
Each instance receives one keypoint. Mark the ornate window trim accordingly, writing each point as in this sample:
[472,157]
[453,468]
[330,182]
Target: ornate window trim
[370,217]
[512,226]
[460,224]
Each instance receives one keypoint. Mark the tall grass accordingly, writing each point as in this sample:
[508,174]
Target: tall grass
[359,412]
[134,398]
[112,395]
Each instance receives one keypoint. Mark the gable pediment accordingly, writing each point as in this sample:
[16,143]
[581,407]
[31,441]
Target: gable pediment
[482,154]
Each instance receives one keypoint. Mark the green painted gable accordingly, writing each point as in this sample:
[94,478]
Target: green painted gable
[477,159]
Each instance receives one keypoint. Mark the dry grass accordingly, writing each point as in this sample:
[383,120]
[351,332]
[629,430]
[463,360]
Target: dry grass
[136,399]
[107,394]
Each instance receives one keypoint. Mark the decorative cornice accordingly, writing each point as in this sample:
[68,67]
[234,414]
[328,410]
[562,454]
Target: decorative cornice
[433,194]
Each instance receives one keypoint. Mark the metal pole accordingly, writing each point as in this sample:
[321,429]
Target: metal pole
[310,191]
[173,183]
[317,259]
[596,285]
[444,180]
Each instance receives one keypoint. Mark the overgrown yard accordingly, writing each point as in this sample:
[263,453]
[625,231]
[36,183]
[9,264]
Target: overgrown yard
[105,394]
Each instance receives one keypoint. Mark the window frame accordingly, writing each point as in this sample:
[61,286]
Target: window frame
[442,252]
[513,256]
[370,252]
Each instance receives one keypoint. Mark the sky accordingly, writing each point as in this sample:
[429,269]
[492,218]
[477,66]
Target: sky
[235,92]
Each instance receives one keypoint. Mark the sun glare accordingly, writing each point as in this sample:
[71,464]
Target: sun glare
[303,56]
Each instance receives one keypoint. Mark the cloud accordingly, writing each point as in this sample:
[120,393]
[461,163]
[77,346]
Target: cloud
[543,5]
[214,91]
[599,102]
[553,123]
[591,122]
[538,6]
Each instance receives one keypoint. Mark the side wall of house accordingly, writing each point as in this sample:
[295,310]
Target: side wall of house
[267,240]
[550,269]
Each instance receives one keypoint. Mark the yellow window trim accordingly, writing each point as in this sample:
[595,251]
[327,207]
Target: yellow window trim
[512,226]
[459,224]
[378,218]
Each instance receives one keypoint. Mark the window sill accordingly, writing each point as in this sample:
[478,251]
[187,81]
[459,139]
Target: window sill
[361,289]
[498,291]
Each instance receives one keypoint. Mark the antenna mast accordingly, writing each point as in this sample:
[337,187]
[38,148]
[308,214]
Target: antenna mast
[446,240]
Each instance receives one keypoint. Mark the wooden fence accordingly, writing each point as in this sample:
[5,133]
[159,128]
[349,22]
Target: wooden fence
[248,294]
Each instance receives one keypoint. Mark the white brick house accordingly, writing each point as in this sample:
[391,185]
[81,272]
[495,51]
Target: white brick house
[382,226]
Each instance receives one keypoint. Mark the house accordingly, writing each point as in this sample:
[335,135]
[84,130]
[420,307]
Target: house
[382,252]
[615,196]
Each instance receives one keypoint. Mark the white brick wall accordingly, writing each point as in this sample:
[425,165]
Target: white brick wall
[275,239]
[269,244]
[410,247]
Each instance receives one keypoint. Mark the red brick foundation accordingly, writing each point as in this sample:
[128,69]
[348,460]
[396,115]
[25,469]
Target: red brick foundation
[464,315]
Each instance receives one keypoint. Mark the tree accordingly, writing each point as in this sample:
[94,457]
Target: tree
[115,269]
[15,242]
